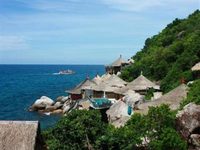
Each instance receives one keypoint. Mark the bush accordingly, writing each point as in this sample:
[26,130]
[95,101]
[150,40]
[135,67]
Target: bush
[193,94]
[78,130]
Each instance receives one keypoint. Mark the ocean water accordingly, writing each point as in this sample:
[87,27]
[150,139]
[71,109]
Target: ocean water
[21,85]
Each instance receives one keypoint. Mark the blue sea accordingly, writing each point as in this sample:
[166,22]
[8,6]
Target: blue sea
[21,85]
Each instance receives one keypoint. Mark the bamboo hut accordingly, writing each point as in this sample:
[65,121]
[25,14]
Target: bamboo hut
[117,65]
[82,90]
[172,98]
[141,84]
[108,86]
[196,70]
[20,135]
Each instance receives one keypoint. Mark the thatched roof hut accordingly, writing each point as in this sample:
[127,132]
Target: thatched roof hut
[142,83]
[118,62]
[196,67]
[172,98]
[86,84]
[20,135]
[109,83]
[117,65]
[115,81]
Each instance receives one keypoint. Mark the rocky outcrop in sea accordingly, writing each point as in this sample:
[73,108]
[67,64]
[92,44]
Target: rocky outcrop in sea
[46,105]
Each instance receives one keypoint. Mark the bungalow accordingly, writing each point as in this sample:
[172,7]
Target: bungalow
[108,86]
[141,84]
[83,90]
[117,65]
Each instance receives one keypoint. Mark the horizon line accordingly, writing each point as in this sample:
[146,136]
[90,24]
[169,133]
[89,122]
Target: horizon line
[56,64]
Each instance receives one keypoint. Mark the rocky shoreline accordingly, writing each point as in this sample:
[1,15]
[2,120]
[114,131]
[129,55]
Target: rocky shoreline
[45,105]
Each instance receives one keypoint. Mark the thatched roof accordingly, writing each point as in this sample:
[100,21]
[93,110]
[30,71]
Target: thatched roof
[97,79]
[172,98]
[196,67]
[20,135]
[109,83]
[105,76]
[115,81]
[141,83]
[118,62]
[86,84]
[118,113]
[103,87]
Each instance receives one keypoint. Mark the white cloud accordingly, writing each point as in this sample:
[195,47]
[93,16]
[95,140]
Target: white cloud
[12,43]
[140,5]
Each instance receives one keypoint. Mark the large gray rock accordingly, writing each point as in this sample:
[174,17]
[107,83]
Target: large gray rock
[66,107]
[42,103]
[50,108]
[57,111]
[62,99]
[58,105]
[188,124]
[118,114]
[195,140]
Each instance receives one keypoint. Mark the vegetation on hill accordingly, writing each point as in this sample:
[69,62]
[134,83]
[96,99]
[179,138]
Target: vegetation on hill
[193,94]
[169,56]
[83,129]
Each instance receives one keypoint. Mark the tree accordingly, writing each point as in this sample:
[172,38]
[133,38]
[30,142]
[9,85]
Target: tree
[77,130]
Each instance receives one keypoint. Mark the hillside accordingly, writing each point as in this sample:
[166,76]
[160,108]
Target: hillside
[168,56]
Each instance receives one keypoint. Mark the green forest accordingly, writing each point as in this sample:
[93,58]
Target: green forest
[168,56]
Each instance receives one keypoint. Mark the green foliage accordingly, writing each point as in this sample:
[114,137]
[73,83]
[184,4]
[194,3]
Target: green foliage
[84,130]
[78,130]
[169,56]
[168,139]
[149,94]
[193,94]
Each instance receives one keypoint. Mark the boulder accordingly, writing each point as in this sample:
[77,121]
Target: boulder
[50,108]
[57,111]
[118,114]
[41,103]
[59,99]
[188,124]
[195,140]
[66,107]
[62,99]
[58,105]
[132,98]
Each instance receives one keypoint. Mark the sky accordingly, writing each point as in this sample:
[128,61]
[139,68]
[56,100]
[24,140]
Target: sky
[82,31]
